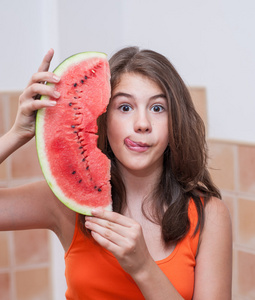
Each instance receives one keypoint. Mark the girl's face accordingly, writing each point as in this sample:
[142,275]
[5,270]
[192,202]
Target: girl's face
[137,123]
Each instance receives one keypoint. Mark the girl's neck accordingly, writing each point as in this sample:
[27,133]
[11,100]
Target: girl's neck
[139,184]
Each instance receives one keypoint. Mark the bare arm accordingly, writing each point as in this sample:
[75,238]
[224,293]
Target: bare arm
[213,272]
[33,205]
[20,207]
[27,207]
[24,127]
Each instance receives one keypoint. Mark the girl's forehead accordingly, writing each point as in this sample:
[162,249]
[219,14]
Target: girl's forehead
[136,82]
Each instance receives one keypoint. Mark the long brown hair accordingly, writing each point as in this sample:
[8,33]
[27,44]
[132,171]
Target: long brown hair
[185,174]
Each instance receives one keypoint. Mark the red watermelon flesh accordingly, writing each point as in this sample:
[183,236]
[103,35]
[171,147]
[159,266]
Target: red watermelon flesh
[75,169]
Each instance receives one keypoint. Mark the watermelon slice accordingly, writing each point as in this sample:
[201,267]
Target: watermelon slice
[66,135]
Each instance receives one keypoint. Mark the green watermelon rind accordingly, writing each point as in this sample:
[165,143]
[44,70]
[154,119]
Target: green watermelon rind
[76,58]
[40,145]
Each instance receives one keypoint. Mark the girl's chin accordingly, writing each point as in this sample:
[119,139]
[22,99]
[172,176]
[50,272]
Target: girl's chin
[139,169]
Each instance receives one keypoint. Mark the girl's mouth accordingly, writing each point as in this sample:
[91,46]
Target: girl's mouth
[136,146]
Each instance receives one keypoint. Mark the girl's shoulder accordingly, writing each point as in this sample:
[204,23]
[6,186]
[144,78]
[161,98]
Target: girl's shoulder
[217,224]
[216,210]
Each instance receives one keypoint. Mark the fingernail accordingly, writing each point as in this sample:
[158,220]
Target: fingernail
[87,224]
[53,103]
[56,94]
[96,211]
[56,78]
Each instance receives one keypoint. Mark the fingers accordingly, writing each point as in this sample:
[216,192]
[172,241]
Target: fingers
[113,217]
[37,87]
[46,61]
[113,237]
[114,248]
[120,235]
[114,228]
[105,236]
[30,108]
[28,100]
[42,89]
[42,77]
[104,227]
[24,123]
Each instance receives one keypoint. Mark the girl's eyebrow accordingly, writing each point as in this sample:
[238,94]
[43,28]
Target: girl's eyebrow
[158,96]
[121,94]
[130,96]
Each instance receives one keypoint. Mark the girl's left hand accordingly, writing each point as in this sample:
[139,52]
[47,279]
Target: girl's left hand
[122,236]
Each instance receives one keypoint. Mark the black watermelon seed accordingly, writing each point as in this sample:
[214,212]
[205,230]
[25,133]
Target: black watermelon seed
[95,187]
[87,168]
[83,159]
[82,152]
[82,81]
[99,190]
[75,85]
[70,104]
[73,126]
[73,172]
[80,147]
[80,180]
[75,131]
[86,77]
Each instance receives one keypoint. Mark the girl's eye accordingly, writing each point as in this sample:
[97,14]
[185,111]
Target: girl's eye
[157,108]
[125,107]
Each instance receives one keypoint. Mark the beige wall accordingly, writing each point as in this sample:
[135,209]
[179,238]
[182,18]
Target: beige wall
[234,172]
[25,261]
[232,166]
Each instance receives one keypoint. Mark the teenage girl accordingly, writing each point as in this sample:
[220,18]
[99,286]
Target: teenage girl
[169,236]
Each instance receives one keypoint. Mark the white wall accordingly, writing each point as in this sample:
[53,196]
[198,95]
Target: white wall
[89,25]
[211,43]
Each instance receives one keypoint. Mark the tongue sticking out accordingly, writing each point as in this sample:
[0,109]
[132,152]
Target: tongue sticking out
[136,146]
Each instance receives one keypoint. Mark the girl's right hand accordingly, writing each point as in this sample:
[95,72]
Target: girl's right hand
[24,126]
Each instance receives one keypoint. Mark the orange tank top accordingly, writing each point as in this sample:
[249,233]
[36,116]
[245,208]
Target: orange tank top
[93,273]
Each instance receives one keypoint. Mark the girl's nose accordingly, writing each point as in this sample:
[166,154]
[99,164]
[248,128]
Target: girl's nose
[142,123]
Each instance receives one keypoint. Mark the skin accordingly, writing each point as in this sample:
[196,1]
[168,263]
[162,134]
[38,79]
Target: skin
[137,125]
[136,130]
